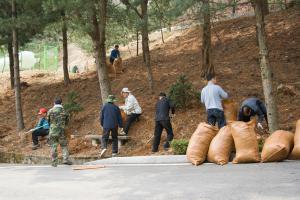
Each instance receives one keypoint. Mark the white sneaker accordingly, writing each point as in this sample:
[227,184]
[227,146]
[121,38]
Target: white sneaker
[122,132]
[102,153]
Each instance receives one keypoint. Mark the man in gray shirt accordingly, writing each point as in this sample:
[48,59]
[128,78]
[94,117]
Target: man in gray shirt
[211,96]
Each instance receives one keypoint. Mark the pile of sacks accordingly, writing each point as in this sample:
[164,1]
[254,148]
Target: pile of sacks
[209,143]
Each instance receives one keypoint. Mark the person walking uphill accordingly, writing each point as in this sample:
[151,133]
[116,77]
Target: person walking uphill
[252,107]
[58,119]
[110,119]
[212,95]
[41,129]
[162,121]
[131,108]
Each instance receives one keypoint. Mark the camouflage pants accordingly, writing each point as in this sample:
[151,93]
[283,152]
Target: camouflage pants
[55,141]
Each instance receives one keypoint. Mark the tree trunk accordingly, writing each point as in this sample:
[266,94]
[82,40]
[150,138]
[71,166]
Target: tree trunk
[266,71]
[145,42]
[265,7]
[100,52]
[161,32]
[207,65]
[11,63]
[17,86]
[137,43]
[65,49]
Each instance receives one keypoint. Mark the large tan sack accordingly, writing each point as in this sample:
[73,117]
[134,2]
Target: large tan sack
[199,143]
[230,110]
[221,146]
[295,155]
[277,146]
[245,142]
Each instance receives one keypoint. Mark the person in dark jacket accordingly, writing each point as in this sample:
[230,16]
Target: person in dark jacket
[41,129]
[252,107]
[115,53]
[162,121]
[110,120]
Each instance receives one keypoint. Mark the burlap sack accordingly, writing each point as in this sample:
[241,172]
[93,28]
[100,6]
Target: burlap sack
[245,142]
[230,110]
[221,146]
[199,143]
[277,146]
[124,117]
[295,155]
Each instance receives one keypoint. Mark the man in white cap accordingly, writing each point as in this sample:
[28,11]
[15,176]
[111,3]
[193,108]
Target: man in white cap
[131,108]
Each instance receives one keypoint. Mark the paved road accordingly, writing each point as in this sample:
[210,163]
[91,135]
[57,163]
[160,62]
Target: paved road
[273,181]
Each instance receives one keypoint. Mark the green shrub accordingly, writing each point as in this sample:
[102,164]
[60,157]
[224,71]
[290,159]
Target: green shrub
[261,143]
[72,107]
[182,92]
[179,146]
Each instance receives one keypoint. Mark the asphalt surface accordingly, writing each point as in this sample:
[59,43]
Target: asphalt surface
[271,181]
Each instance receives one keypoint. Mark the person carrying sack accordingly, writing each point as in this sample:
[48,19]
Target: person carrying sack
[58,119]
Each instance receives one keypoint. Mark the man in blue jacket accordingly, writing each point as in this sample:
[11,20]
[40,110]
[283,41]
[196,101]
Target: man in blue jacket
[41,129]
[252,107]
[110,120]
[162,121]
[115,53]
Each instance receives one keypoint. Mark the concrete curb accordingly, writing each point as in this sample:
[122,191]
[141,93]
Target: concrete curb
[142,160]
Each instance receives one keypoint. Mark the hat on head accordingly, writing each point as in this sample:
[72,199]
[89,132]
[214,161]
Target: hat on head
[58,100]
[162,94]
[125,90]
[42,111]
[111,99]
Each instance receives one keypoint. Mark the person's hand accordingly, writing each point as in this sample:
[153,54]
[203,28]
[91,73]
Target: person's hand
[260,126]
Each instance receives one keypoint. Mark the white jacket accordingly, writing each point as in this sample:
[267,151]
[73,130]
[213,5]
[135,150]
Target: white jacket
[131,105]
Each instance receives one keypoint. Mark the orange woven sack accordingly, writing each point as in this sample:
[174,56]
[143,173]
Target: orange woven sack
[199,143]
[245,142]
[277,146]
[230,110]
[295,155]
[221,146]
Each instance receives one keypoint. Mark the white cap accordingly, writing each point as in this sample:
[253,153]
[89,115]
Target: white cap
[125,90]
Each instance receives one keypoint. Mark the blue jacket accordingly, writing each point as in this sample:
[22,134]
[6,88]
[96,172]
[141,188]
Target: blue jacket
[43,123]
[110,116]
[115,54]
[256,106]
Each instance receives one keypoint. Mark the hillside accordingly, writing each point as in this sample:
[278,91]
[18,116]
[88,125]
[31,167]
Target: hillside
[236,63]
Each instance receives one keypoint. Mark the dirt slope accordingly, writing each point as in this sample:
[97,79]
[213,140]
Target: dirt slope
[236,62]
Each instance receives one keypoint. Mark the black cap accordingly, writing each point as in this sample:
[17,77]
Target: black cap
[162,94]
[58,100]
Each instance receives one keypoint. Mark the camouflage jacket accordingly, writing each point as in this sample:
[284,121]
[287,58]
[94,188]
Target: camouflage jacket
[58,119]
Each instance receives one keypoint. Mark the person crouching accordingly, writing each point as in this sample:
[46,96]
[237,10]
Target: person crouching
[41,129]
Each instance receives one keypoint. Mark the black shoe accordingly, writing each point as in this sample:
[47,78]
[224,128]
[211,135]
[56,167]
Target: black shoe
[166,146]
[54,164]
[67,162]
[35,146]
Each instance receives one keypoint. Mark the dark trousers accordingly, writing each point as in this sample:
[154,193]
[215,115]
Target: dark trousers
[216,116]
[37,133]
[111,60]
[159,126]
[130,119]
[114,136]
